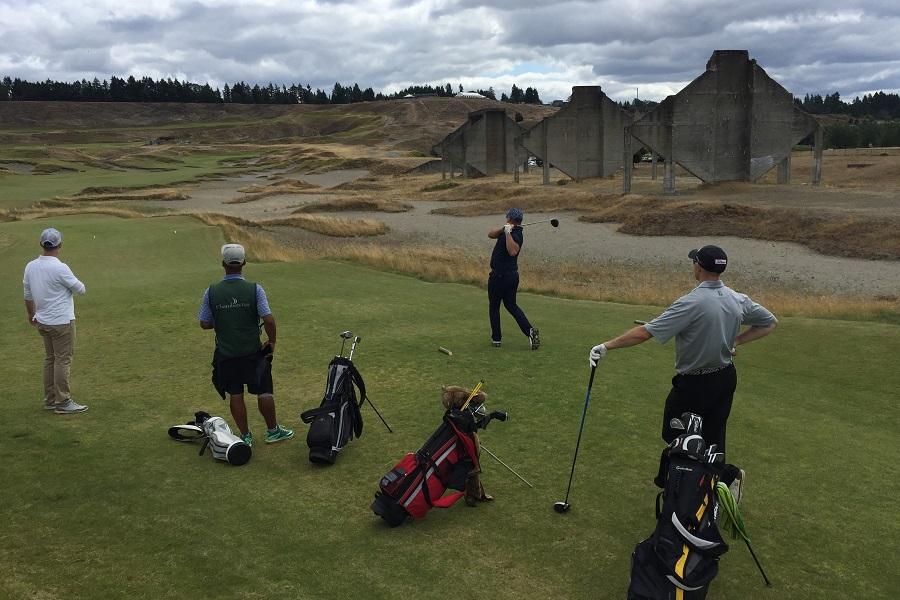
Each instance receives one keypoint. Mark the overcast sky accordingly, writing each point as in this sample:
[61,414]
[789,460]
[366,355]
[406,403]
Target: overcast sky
[646,48]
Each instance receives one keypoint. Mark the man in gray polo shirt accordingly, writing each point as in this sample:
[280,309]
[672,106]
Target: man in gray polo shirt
[706,326]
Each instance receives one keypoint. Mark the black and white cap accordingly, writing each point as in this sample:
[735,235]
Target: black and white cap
[711,258]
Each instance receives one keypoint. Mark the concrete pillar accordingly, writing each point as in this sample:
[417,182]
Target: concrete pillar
[669,176]
[546,167]
[629,162]
[817,156]
[669,170]
[784,170]
[465,153]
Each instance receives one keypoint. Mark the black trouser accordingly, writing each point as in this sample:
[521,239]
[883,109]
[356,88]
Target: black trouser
[709,396]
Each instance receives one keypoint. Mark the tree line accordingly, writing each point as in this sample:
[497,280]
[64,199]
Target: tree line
[147,89]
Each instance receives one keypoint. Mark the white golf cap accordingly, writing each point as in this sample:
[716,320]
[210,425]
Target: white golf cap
[233,254]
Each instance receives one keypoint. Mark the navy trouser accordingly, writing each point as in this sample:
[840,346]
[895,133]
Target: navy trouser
[502,287]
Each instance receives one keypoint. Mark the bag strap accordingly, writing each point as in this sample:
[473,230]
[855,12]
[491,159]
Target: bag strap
[467,442]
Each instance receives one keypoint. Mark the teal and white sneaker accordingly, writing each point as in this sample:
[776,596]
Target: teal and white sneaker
[279,434]
[247,439]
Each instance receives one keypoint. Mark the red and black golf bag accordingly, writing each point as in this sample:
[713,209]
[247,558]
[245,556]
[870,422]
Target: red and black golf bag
[419,481]
[337,419]
[681,558]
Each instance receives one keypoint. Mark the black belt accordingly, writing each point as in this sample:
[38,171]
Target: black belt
[503,272]
[706,371]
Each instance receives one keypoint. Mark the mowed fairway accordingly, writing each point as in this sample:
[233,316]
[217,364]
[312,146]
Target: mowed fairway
[105,505]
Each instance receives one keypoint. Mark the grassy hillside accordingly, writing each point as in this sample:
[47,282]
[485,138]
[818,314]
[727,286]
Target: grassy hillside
[408,124]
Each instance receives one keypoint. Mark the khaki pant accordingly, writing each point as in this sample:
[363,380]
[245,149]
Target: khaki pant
[59,347]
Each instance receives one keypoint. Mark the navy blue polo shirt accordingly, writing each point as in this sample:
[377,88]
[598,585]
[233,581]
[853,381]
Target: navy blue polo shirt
[500,258]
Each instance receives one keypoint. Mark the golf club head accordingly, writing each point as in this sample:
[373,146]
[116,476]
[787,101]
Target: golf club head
[554,222]
[346,335]
[676,423]
[562,507]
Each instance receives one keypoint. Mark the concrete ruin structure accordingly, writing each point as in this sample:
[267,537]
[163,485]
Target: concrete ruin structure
[733,123]
[485,143]
[584,139]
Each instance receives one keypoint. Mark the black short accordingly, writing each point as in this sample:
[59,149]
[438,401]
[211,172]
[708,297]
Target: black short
[230,375]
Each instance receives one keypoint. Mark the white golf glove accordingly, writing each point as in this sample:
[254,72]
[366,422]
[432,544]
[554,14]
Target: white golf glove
[507,228]
[597,354]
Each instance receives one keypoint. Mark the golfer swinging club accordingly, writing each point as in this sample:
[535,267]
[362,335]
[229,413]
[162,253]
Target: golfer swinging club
[705,324]
[503,281]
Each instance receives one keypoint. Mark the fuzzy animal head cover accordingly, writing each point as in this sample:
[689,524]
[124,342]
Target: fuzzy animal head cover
[454,396]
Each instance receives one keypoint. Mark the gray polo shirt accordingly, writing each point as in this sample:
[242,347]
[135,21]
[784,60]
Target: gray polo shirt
[704,324]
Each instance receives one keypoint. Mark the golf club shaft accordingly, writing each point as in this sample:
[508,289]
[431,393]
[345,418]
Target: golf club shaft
[536,222]
[356,340]
[379,415]
[758,566]
[472,395]
[506,465]
[580,429]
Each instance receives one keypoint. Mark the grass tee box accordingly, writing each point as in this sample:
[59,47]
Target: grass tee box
[105,505]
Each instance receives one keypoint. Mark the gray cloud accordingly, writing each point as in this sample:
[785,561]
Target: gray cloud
[625,46]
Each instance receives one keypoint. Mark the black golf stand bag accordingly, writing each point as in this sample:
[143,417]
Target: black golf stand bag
[337,419]
[418,482]
[681,558]
[216,434]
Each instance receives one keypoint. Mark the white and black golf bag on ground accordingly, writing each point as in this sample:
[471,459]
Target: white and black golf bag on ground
[338,418]
[681,558]
[216,434]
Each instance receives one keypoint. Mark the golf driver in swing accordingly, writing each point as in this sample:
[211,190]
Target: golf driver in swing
[553,222]
[564,506]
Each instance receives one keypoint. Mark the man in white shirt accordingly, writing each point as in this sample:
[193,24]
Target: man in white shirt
[49,286]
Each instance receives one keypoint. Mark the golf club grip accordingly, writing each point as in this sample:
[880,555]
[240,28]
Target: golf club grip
[591,380]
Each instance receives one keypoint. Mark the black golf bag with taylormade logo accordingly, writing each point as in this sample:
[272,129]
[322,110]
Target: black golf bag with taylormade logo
[681,558]
[338,418]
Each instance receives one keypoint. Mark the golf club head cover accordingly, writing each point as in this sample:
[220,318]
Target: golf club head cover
[454,396]
[224,444]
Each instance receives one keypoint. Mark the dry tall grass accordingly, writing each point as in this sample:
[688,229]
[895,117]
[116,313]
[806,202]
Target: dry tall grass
[606,283]
[333,226]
